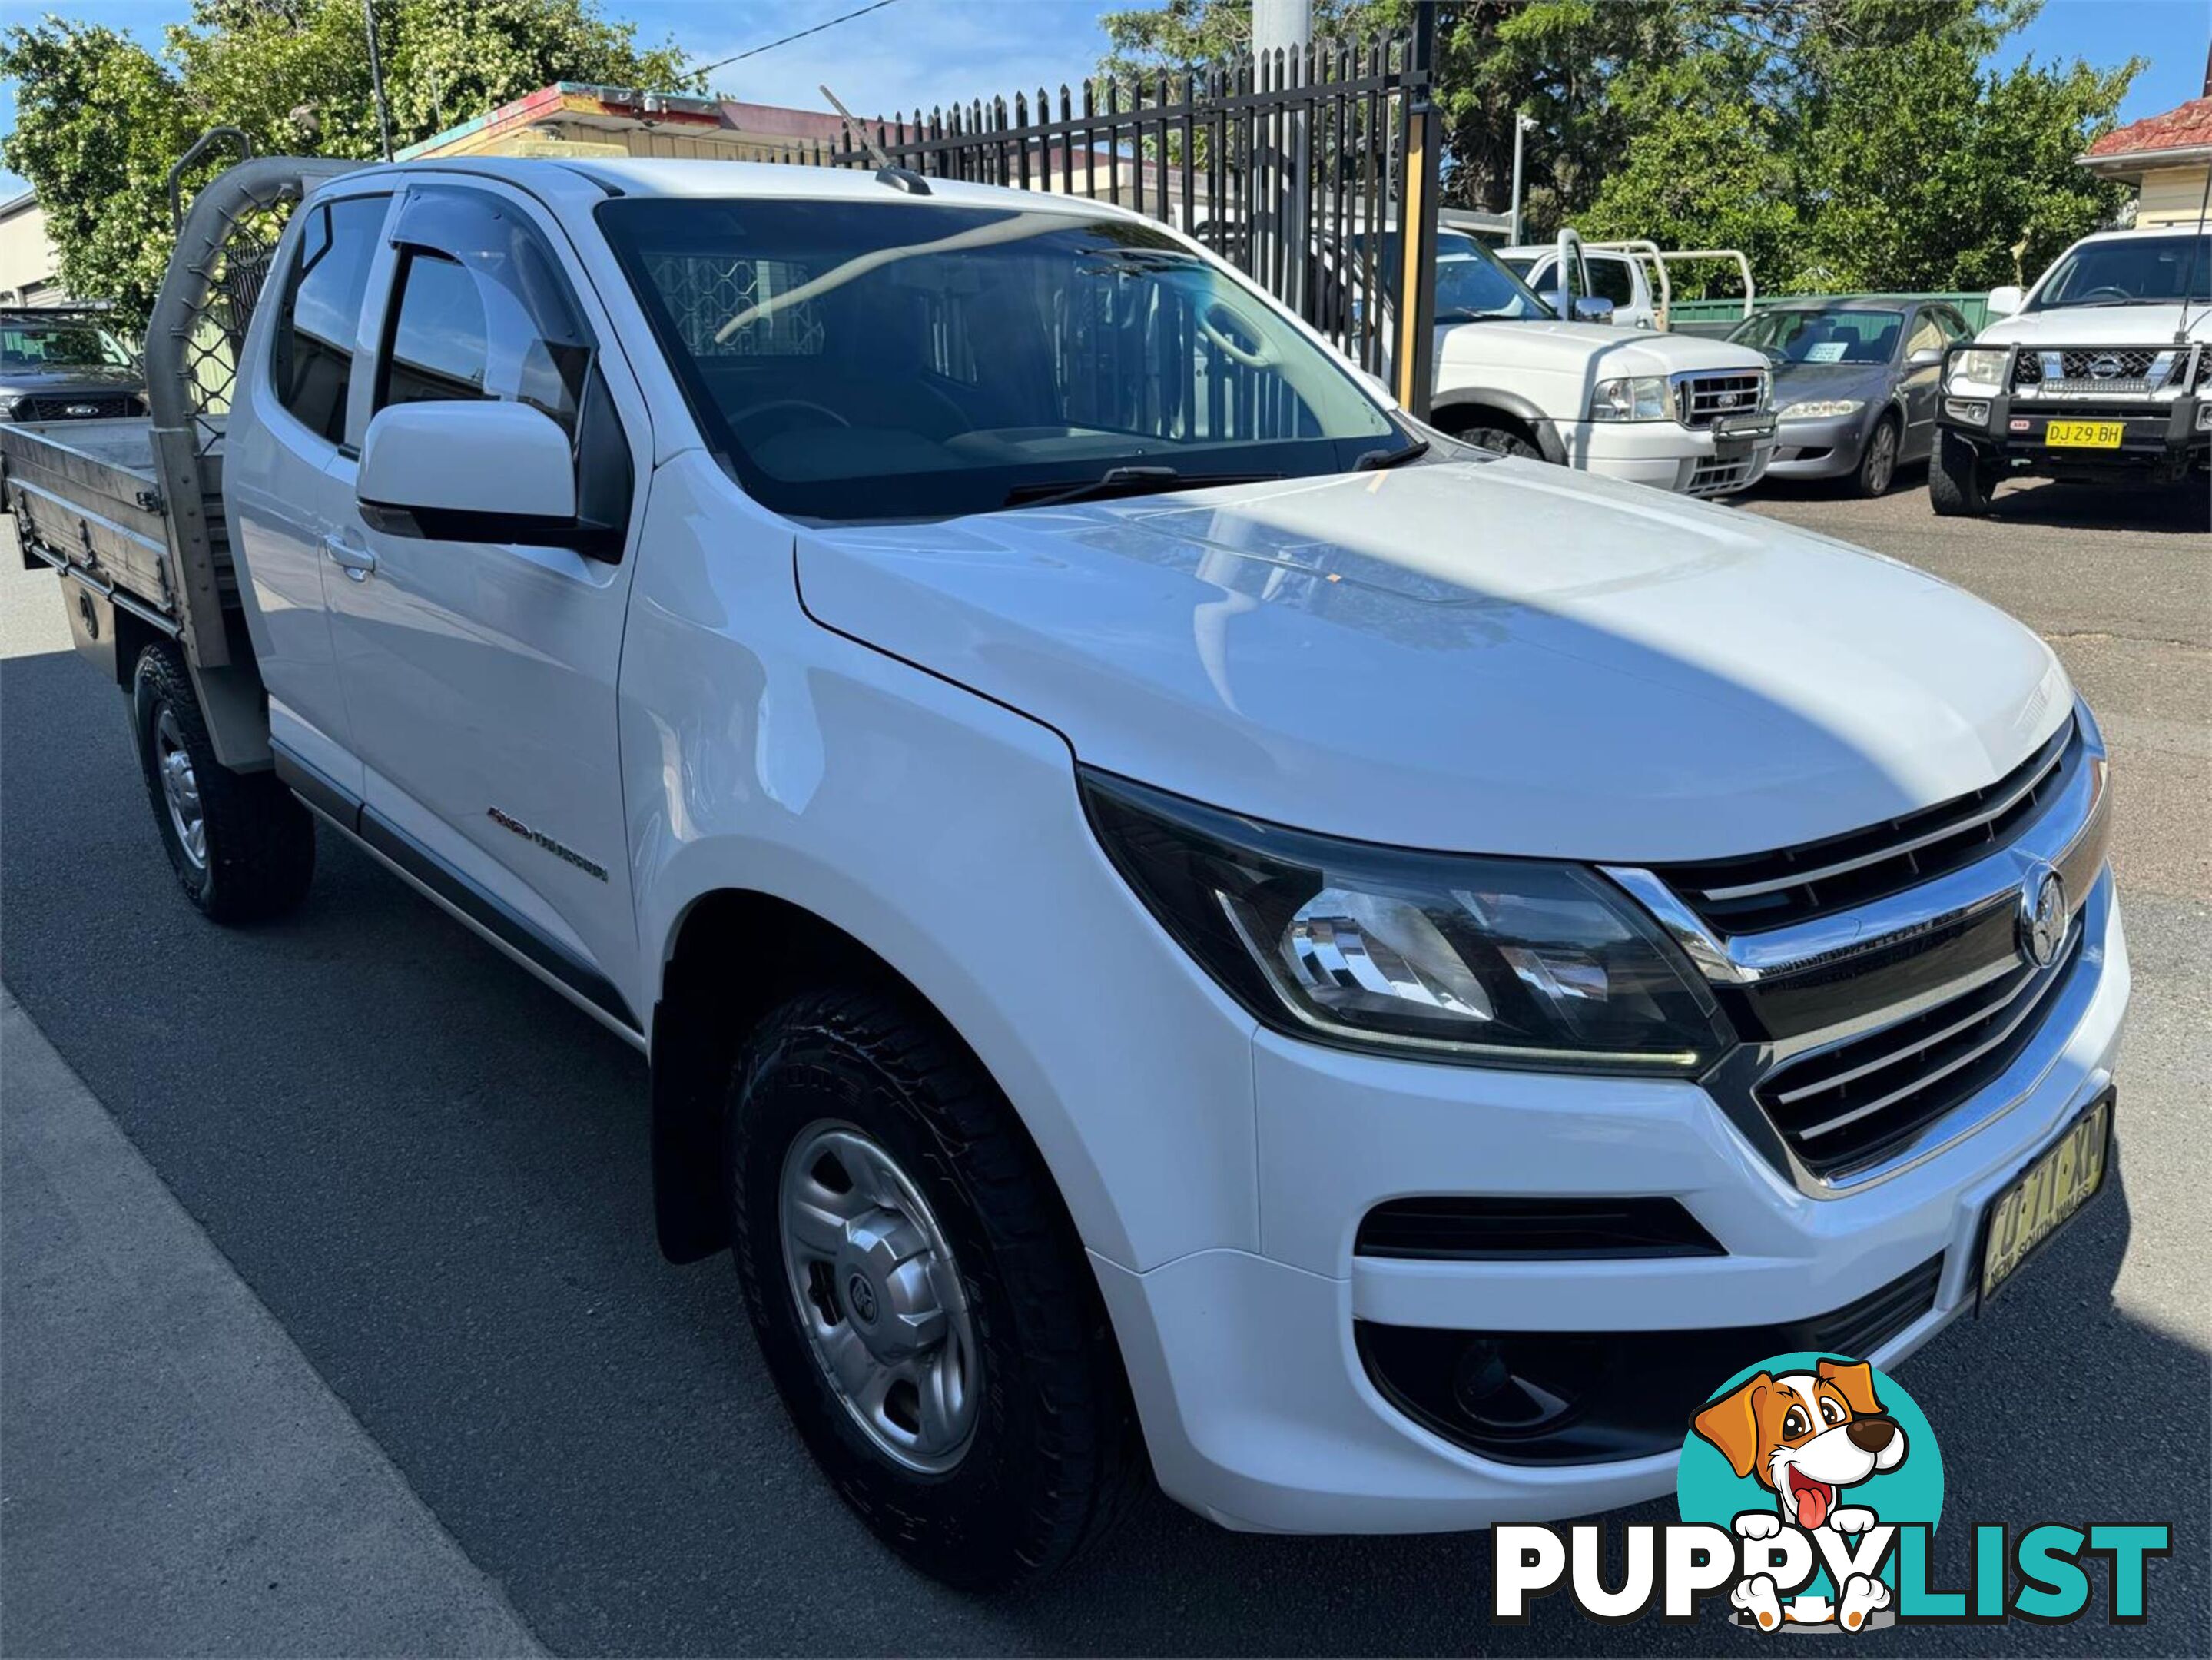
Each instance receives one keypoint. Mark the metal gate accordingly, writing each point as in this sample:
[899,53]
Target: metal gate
[1304,169]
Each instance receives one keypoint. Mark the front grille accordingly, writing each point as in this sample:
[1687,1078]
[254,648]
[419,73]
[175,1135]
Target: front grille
[1564,1397]
[2077,370]
[1848,1105]
[82,406]
[1453,1228]
[1817,878]
[1704,399]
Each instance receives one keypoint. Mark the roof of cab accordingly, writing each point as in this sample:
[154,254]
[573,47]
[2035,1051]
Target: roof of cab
[700,179]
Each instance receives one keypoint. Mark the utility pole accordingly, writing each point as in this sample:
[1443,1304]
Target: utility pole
[1522,125]
[376,79]
[1286,26]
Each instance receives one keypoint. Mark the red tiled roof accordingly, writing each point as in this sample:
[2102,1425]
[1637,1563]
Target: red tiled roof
[2185,128]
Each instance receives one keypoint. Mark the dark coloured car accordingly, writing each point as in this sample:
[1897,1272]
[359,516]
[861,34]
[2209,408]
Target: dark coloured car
[66,366]
[1854,384]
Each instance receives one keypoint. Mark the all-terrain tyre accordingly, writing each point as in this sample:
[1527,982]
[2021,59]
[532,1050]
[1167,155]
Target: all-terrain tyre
[884,1197]
[1959,483]
[243,846]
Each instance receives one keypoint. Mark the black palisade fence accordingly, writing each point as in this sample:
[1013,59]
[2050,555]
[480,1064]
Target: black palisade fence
[1298,168]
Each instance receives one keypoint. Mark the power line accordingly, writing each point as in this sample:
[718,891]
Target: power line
[756,51]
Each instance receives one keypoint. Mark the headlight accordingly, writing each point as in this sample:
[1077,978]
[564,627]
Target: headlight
[1820,409]
[1447,957]
[1640,397]
[1979,367]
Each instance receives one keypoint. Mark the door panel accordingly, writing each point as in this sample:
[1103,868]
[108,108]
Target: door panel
[280,505]
[1919,388]
[481,676]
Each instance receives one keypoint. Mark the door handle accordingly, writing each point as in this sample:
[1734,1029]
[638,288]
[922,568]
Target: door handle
[356,562]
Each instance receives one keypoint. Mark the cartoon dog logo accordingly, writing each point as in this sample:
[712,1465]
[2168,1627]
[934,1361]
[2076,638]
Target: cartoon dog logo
[1806,1437]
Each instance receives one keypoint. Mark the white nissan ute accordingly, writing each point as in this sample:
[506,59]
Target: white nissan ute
[1185,925]
[2101,375]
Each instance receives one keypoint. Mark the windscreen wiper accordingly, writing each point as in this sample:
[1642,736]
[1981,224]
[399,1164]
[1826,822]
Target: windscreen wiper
[1124,481]
[1376,460]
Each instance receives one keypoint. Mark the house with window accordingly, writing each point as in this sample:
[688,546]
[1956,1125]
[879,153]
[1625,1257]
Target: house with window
[2167,158]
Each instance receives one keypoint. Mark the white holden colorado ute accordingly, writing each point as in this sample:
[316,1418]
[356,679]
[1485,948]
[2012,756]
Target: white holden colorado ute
[1185,925]
[2101,375]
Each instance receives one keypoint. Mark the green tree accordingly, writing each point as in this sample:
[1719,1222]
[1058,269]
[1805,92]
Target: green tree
[99,119]
[1841,144]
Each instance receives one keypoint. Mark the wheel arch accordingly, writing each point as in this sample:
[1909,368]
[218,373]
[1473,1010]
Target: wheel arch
[1452,411]
[733,956]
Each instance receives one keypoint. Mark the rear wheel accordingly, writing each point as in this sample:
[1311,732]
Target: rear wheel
[1877,468]
[242,847]
[919,1296]
[1959,482]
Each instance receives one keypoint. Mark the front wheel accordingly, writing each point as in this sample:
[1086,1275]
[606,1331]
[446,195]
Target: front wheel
[1959,483]
[1877,468]
[243,846]
[1503,439]
[919,1295]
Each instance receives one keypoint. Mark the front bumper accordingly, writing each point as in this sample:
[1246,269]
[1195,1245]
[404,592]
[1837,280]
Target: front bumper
[1257,1406]
[1826,448]
[1691,461]
[2162,438]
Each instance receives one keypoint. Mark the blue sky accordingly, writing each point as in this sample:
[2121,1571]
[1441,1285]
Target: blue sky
[936,51]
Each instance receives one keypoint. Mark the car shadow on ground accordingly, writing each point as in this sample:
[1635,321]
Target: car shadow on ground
[2183,510]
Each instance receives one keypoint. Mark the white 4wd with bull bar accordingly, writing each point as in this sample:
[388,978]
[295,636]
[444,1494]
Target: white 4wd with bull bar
[2103,374]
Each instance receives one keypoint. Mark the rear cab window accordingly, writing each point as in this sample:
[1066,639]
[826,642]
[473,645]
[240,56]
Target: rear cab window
[311,353]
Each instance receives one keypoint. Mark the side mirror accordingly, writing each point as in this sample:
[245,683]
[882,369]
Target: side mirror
[2004,301]
[1592,308]
[470,472]
[1926,358]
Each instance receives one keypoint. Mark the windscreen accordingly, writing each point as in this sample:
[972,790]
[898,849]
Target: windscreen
[895,359]
[1823,336]
[60,346]
[2139,270]
[1473,285]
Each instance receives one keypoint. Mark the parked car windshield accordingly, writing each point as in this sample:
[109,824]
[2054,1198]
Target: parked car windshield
[60,346]
[900,359]
[2138,270]
[1473,284]
[1823,336]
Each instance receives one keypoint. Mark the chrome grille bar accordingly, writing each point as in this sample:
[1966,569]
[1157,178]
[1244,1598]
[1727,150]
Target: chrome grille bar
[1972,819]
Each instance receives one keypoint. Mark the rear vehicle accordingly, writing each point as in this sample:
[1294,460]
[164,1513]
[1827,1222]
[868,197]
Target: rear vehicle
[61,363]
[1183,923]
[2102,377]
[1683,414]
[1612,275]
[1854,384]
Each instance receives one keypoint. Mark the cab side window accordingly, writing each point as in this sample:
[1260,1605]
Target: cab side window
[1610,279]
[311,356]
[481,312]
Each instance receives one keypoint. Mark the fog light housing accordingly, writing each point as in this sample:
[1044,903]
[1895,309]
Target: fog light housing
[1975,411]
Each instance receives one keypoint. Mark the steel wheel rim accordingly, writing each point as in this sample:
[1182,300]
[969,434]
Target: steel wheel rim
[180,788]
[879,1297]
[1884,461]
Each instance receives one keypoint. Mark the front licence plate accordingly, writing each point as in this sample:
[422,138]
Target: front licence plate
[2046,1196]
[2084,434]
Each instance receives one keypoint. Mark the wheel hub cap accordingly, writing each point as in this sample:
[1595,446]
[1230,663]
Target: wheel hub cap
[879,1296]
[180,789]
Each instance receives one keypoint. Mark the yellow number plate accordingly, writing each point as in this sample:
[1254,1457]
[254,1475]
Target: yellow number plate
[2056,1186]
[2084,434]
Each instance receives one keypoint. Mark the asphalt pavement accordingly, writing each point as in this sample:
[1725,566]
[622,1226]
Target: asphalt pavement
[431,1174]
